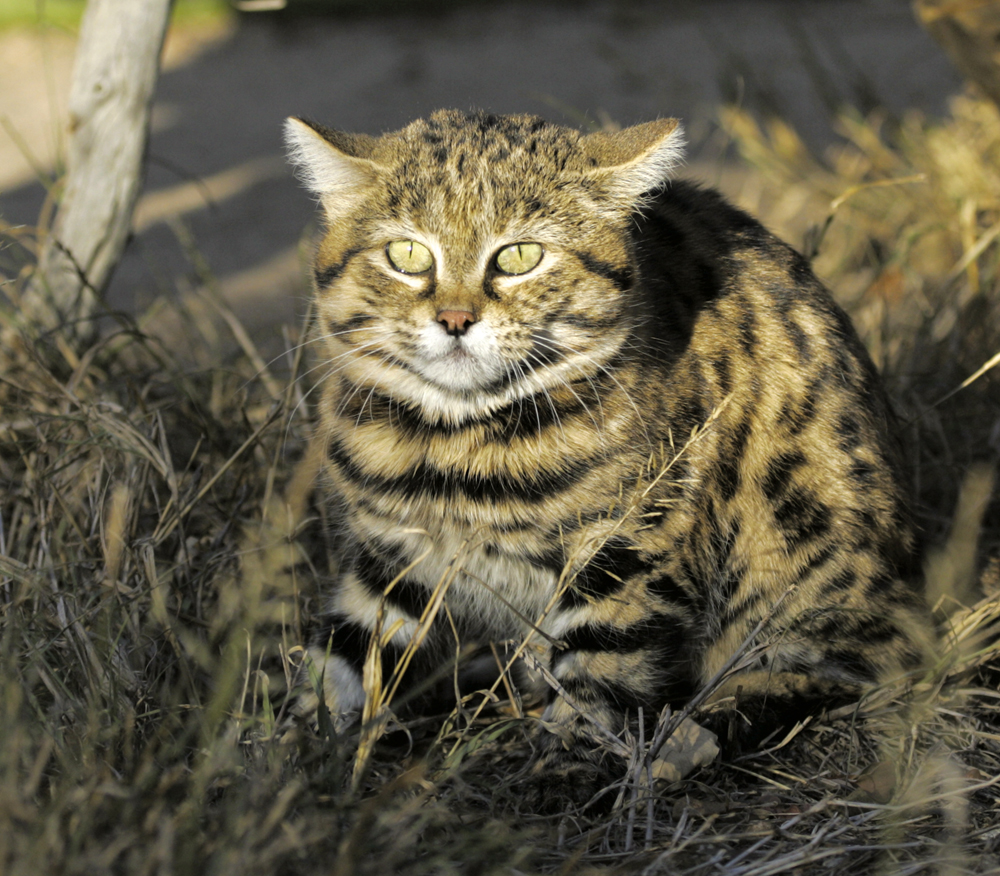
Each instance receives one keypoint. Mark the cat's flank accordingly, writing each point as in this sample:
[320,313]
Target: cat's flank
[564,395]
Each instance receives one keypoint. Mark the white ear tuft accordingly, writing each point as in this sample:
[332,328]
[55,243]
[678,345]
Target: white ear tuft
[636,160]
[330,173]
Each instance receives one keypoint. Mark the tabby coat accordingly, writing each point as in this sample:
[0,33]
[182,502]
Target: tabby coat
[567,398]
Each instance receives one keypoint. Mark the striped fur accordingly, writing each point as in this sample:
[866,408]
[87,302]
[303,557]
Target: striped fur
[663,438]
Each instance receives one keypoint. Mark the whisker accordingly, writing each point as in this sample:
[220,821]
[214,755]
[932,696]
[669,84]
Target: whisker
[555,413]
[331,368]
[604,369]
[598,426]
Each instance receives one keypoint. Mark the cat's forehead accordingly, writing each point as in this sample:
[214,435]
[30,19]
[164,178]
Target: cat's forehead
[478,173]
[487,141]
[485,171]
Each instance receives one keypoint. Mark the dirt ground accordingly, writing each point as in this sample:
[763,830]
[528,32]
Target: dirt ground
[215,156]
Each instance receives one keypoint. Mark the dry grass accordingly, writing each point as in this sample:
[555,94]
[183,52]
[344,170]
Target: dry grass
[160,555]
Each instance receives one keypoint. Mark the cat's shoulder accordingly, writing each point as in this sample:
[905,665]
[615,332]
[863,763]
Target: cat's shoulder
[694,212]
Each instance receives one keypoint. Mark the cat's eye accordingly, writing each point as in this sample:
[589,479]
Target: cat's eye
[409,256]
[519,258]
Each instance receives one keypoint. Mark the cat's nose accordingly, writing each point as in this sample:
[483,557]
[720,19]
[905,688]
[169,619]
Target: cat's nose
[456,322]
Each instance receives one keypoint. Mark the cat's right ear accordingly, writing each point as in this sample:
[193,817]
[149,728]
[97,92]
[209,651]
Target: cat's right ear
[633,162]
[334,166]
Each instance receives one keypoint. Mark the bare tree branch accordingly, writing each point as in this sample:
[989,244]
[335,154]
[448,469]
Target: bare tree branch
[114,77]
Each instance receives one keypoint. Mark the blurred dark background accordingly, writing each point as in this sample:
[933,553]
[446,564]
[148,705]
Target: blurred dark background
[220,207]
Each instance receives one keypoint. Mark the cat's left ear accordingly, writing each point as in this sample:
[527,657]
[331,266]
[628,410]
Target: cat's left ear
[631,162]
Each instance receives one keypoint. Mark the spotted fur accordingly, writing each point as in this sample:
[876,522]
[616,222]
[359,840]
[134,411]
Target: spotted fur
[663,443]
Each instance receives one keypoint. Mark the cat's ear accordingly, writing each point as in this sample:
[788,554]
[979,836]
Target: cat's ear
[334,166]
[631,162]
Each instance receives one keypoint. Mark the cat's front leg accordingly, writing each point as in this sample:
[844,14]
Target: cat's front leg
[364,625]
[332,675]
[602,673]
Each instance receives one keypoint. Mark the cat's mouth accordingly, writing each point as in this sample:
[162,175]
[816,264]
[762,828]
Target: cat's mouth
[461,369]
[458,352]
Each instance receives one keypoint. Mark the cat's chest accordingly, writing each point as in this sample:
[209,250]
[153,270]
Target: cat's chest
[511,478]
[490,591]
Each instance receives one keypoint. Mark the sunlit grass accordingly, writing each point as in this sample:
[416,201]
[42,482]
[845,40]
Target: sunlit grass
[66,14]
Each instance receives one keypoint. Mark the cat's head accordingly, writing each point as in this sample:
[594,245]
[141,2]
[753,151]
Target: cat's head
[471,259]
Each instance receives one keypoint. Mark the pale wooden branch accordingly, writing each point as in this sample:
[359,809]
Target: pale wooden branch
[114,76]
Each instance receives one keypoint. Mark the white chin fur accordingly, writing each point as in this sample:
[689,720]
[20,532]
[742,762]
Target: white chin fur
[461,364]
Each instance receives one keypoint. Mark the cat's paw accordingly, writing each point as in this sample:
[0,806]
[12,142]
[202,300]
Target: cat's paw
[690,746]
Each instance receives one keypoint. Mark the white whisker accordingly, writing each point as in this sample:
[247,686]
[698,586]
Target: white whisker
[604,369]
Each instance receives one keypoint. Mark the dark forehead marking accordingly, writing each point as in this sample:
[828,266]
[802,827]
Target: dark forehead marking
[481,130]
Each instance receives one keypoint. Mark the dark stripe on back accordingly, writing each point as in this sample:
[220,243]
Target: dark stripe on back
[799,414]
[802,517]
[863,473]
[848,429]
[779,473]
[727,471]
[723,373]
[821,559]
[745,328]
[839,583]
[736,611]
[800,270]
[799,339]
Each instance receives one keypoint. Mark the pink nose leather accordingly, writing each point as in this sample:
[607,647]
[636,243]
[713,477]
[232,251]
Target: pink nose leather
[456,322]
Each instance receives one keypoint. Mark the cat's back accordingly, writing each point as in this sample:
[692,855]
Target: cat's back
[731,309]
[705,261]
[740,330]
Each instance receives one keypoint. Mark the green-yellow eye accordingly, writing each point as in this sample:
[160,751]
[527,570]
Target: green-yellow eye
[409,256]
[519,258]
